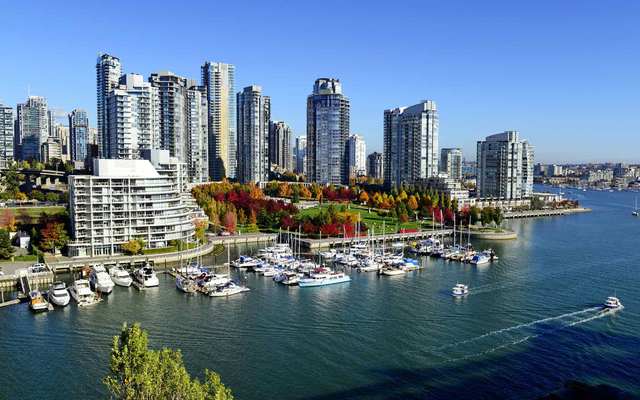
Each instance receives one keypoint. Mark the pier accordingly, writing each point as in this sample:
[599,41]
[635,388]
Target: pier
[312,244]
[25,281]
[544,213]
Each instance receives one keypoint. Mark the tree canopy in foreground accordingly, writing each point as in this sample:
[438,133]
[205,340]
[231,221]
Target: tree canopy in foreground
[136,372]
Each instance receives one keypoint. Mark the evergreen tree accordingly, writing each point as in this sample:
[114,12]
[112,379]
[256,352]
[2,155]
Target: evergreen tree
[6,249]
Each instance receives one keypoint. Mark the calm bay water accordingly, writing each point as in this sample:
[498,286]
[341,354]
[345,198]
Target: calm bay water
[529,325]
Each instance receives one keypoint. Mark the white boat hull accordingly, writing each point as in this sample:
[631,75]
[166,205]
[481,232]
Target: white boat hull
[60,301]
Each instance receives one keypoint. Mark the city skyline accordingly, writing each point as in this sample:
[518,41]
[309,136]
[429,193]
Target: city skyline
[511,76]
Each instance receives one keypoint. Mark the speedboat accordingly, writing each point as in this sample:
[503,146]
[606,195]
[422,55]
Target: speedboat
[82,294]
[291,280]
[120,276]
[612,303]
[480,258]
[323,279]
[58,294]
[460,290]
[146,277]
[100,280]
[229,289]
[37,302]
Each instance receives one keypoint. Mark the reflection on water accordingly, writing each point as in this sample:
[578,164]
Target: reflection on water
[530,322]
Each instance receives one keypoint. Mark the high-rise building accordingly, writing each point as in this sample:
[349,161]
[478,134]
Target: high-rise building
[78,134]
[108,72]
[218,80]
[32,127]
[62,134]
[254,113]
[133,114]
[183,116]
[357,156]
[280,144]
[300,155]
[505,167]
[7,125]
[451,162]
[327,133]
[375,165]
[197,135]
[411,143]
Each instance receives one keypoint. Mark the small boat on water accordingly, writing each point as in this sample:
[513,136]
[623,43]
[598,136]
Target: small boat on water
[393,271]
[37,302]
[100,279]
[146,277]
[246,262]
[612,303]
[82,294]
[460,290]
[186,284]
[229,289]
[58,294]
[324,279]
[120,276]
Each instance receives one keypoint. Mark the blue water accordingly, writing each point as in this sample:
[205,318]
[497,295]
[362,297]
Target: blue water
[531,323]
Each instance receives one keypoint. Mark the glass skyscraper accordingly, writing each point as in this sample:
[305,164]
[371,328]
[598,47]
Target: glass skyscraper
[254,113]
[218,81]
[327,133]
[108,72]
[33,127]
[78,134]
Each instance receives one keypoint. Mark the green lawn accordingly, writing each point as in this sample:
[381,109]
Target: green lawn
[169,249]
[26,257]
[371,219]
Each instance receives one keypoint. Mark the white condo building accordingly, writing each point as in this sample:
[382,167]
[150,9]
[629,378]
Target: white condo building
[357,156]
[129,199]
[133,114]
[7,125]
[505,167]
[411,143]
[108,72]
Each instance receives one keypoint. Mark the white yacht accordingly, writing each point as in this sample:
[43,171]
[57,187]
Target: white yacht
[369,265]
[393,271]
[100,280]
[58,294]
[228,290]
[460,290]
[612,303]
[480,258]
[82,294]
[323,279]
[120,276]
[146,277]
[245,262]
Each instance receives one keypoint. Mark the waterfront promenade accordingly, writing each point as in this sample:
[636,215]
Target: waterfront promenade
[544,213]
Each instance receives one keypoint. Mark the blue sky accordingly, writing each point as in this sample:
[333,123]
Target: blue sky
[564,73]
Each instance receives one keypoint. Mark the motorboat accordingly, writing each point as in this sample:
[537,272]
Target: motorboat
[245,262]
[82,294]
[393,271]
[460,290]
[37,302]
[480,258]
[612,303]
[229,289]
[323,279]
[369,265]
[185,284]
[291,280]
[146,277]
[100,280]
[58,294]
[120,276]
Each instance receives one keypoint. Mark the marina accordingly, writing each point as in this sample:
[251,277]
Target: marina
[519,315]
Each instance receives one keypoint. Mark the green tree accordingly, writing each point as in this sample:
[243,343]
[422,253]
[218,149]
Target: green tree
[136,372]
[6,250]
[11,180]
[133,246]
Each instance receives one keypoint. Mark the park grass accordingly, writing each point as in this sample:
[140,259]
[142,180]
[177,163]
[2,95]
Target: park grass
[169,249]
[370,218]
[26,257]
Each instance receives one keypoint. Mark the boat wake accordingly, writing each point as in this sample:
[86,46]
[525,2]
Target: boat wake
[511,336]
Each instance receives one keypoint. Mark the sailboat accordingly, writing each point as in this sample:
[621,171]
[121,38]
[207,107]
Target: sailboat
[230,288]
[636,210]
